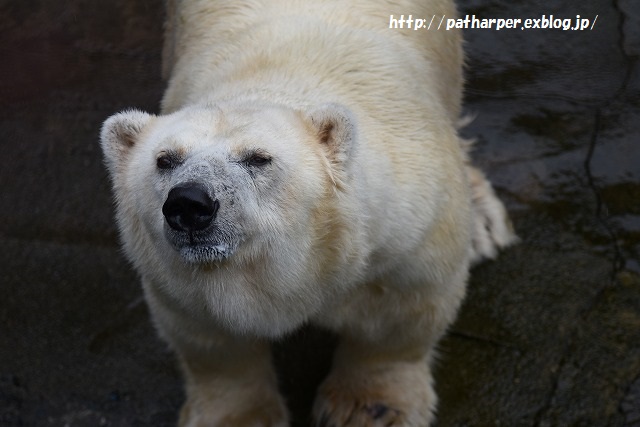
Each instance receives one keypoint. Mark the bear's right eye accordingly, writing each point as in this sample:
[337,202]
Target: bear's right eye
[165,161]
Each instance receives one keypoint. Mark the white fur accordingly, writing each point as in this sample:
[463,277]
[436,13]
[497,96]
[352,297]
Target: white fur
[365,220]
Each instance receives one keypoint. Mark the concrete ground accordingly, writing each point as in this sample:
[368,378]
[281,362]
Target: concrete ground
[549,334]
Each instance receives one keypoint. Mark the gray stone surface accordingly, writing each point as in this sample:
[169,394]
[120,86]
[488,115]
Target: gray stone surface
[549,334]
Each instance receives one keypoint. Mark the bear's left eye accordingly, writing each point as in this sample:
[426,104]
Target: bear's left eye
[165,161]
[257,159]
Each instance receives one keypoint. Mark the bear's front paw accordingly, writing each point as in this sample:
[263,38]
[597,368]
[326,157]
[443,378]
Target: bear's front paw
[376,399]
[263,412]
[338,412]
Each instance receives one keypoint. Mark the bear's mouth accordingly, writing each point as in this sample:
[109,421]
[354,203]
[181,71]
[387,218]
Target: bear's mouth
[201,247]
[200,254]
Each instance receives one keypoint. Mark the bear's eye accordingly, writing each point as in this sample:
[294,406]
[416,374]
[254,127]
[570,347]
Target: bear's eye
[257,159]
[165,161]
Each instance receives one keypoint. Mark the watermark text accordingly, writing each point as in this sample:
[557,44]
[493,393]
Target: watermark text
[437,22]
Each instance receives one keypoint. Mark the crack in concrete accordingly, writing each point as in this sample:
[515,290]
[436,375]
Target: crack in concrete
[601,213]
[623,36]
[458,333]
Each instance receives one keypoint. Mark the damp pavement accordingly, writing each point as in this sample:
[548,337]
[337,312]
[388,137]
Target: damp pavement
[549,334]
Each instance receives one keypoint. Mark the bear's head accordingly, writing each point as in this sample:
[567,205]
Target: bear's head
[206,180]
[216,187]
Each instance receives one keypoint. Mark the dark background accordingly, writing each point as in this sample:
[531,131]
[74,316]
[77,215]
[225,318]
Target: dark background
[549,334]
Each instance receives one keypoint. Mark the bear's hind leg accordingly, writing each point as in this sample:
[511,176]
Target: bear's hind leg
[492,229]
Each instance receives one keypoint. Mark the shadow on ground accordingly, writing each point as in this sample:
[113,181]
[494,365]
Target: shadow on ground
[549,334]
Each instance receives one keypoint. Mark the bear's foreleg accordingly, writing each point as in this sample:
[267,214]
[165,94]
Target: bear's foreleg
[234,386]
[230,380]
[381,374]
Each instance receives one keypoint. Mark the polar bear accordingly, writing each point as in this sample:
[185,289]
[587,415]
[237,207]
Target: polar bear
[305,168]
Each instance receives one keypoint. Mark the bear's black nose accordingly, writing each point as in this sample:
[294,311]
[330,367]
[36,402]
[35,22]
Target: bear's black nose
[189,208]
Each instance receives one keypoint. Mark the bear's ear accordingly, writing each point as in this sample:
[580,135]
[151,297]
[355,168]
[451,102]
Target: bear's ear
[119,133]
[335,129]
